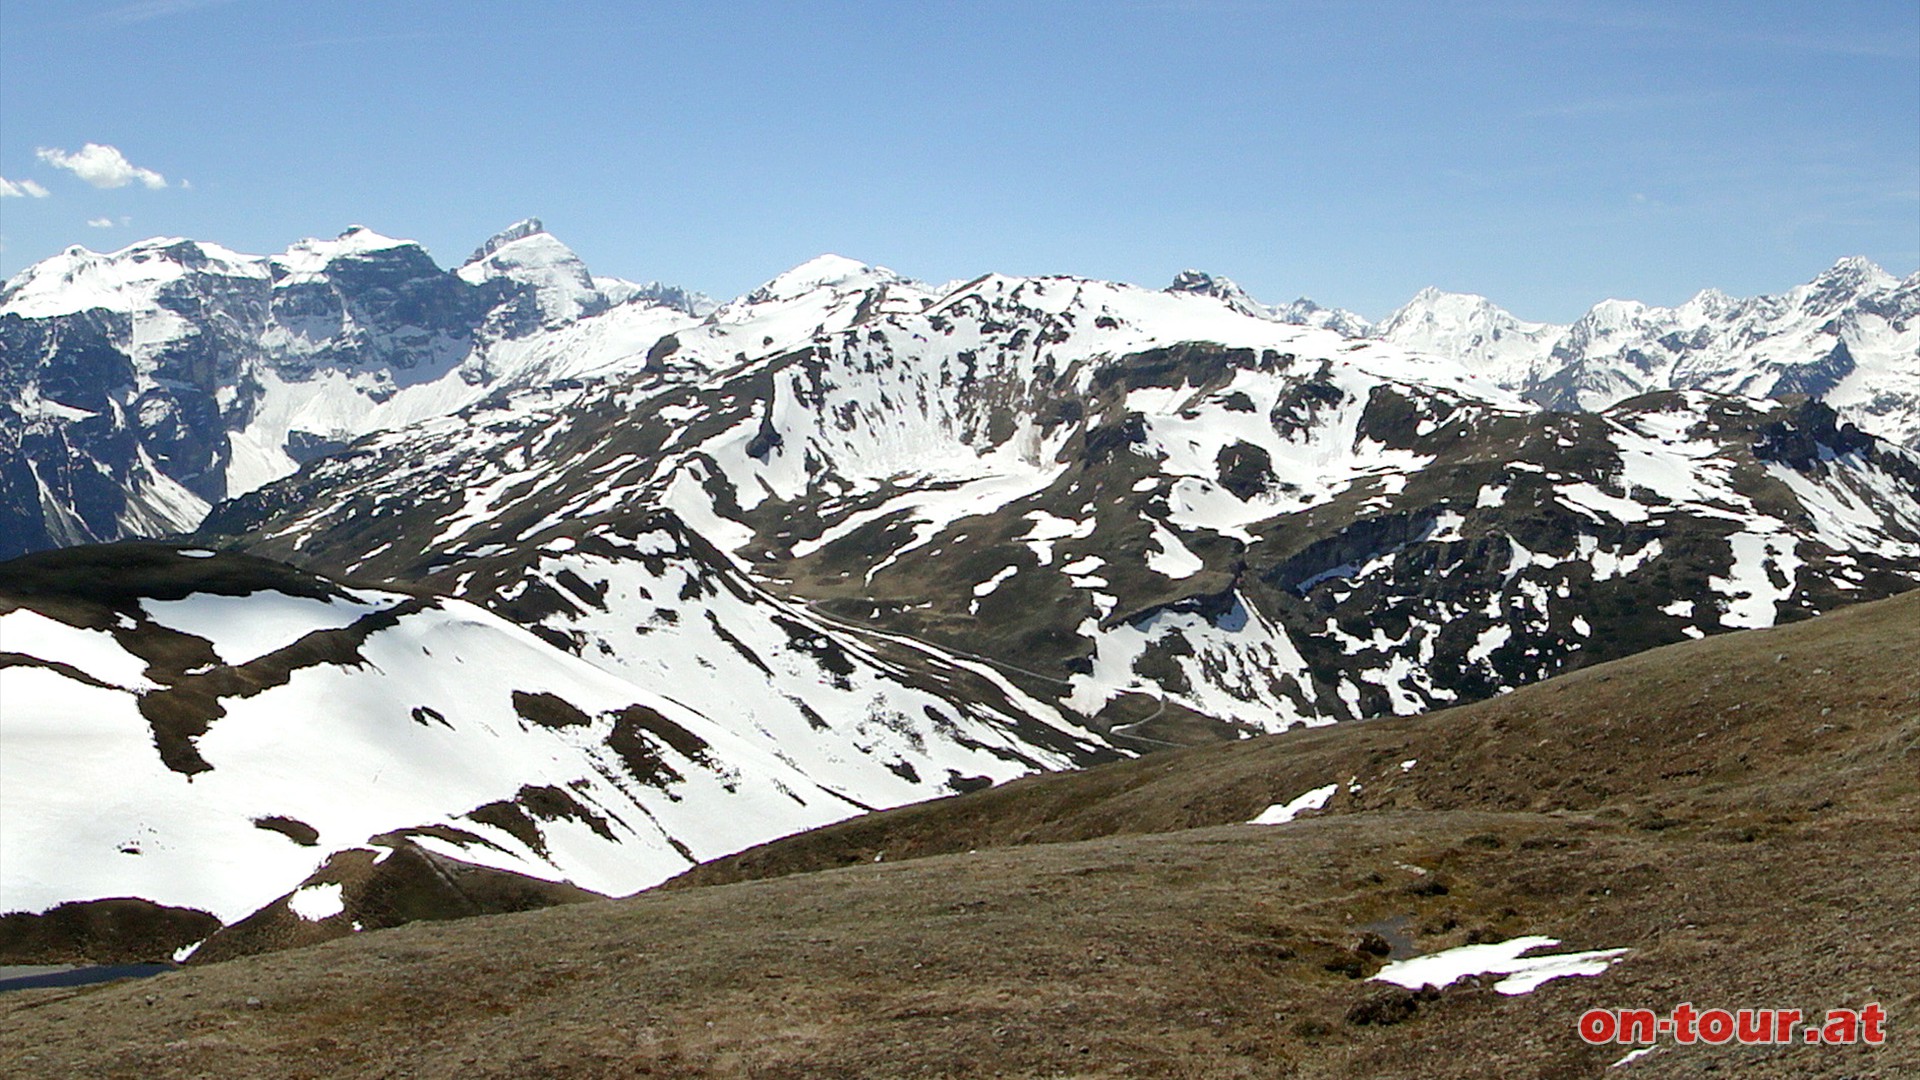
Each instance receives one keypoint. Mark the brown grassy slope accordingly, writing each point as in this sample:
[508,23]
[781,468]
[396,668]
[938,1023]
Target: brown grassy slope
[119,930]
[1741,733]
[1785,878]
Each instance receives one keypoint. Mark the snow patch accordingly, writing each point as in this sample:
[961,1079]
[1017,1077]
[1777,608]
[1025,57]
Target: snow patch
[987,587]
[1760,579]
[94,652]
[316,902]
[243,628]
[1281,813]
[1523,973]
[1171,557]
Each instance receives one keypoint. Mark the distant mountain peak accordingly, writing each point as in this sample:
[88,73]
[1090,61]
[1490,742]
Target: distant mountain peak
[361,238]
[519,230]
[1855,264]
[312,254]
[1484,337]
[1223,288]
[554,283]
[826,269]
[1434,298]
[1200,281]
[1456,310]
[1854,272]
[822,271]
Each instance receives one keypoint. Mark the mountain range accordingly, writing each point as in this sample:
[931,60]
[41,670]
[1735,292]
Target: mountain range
[183,373]
[145,385]
[585,580]
[1848,337]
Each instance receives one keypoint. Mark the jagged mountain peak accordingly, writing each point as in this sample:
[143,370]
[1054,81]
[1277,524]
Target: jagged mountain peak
[229,370]
[519,230]
[550,284]
[524,245]
[527,253]
[1712,303]
[1302,312]
[1222,288]
[1850,332]
[1160,514]
[621,291]
[1856,268]
[1844,283]
[1199,281]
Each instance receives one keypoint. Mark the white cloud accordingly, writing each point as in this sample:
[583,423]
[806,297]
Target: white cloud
[101,166]
[23,189]
[100,222]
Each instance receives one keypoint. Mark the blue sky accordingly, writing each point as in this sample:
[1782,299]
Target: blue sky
[1544,154]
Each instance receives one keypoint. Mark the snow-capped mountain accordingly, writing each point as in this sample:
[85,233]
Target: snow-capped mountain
[203,730]
[1489,341]
[1850,337]
[1140,506]
[139,387]
[548,283]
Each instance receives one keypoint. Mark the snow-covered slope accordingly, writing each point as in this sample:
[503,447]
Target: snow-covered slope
[549,284]
[1850,337]
[139,387]
[204,729]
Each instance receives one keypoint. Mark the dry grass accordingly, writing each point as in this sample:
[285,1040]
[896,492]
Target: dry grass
[1694,804]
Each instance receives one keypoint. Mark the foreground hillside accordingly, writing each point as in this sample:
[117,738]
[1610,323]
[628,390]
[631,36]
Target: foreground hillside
[1736,813]
[1736,733]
